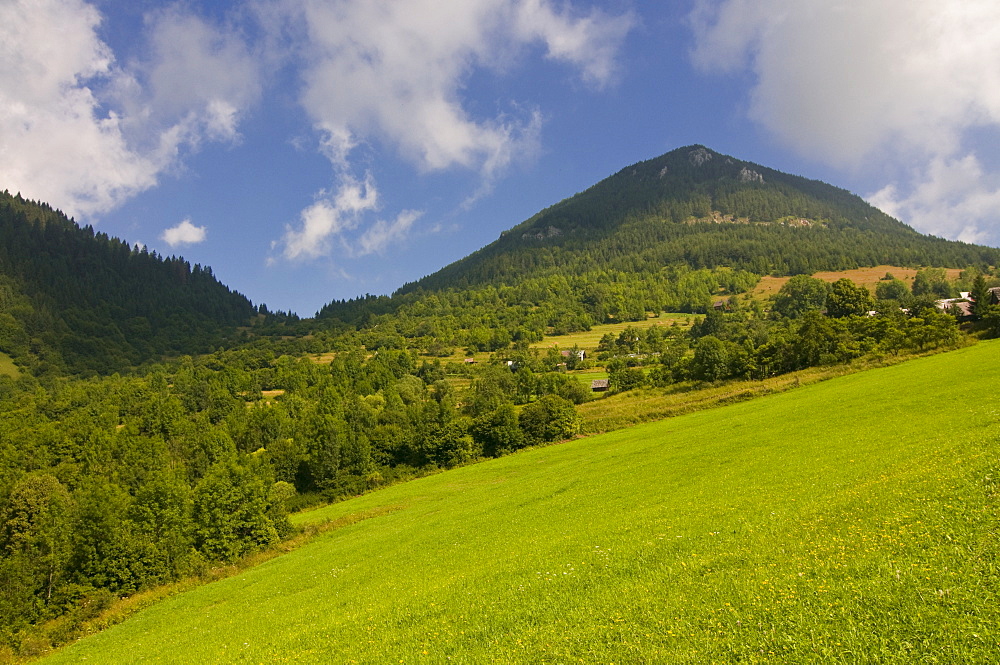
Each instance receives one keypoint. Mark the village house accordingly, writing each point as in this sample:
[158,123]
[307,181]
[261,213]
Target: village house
[960,308]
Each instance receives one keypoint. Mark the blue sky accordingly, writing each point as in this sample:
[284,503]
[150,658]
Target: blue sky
[311,150]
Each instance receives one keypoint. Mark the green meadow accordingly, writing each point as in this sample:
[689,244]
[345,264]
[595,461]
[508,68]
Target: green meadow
[589,339]
[848,521]
[7,366]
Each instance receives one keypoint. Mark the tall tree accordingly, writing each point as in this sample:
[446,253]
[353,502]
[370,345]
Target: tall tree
[980,296]
[848,299]
[799,295]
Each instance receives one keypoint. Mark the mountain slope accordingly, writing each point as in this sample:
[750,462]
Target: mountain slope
[675,234]
[699,208]
[795,528]
[75,300]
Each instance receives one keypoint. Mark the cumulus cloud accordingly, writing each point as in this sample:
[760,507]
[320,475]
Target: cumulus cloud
[381,234]
[85,133]
[329,216]
[404,64]
[392,73]
[862,84]
[954,198]
[844,79]
[184,233]
[55,143]
[198,76]
[588,41]
[333,214]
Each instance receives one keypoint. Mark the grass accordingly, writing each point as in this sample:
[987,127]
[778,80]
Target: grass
[589,339]
[852,520]
[270,395]
[586,376]
[7,366]
[612,411]
[868,277]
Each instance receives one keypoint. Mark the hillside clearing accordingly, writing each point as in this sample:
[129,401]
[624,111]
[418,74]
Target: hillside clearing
[7,366]
[853,520]
[589,339]
[867,277]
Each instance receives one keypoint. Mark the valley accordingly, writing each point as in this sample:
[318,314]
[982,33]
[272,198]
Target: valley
[645,436]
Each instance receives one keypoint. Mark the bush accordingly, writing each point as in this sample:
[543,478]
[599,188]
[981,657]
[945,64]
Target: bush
[551,418]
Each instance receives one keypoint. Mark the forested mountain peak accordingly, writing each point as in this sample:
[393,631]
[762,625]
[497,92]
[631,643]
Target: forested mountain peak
[695,183]
[699,208]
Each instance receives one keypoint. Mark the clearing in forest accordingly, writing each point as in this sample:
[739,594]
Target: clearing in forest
[868,277]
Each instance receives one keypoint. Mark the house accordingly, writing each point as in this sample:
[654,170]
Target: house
[995,295]
[599,385]
[580,355]
[960,308]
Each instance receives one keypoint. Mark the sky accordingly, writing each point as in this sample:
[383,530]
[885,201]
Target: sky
[313,150]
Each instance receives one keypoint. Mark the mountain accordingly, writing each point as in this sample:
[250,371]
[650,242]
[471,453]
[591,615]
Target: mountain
[673,234]
[79,301]
[702,209]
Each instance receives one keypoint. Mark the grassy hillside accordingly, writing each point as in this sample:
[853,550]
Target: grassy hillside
[849,521]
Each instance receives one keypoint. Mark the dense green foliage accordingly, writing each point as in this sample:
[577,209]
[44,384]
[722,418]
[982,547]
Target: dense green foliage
[841,522]
[111,485]
[489,318]
[79,301]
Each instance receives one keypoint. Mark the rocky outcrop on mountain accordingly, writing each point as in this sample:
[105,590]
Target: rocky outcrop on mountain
[749,175]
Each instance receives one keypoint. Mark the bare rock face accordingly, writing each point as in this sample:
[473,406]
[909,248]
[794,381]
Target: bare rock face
[699,156]
[747,175]
[550,232]
[663,172]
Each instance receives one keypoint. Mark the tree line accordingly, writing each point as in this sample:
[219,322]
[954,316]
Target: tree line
[109,485]
[78,301]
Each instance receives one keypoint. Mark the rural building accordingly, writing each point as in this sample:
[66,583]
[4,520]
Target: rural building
[599,385]
[960,308]
[580,355]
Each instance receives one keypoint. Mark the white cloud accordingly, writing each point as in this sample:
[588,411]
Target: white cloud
[953,198]
[845,79]
[198,76]
[84,133]
[55,143]
[333,215]
[330,216]
[184,233]
[395,70]
[589,42]
[866,85]
[381,234]
[391,74]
